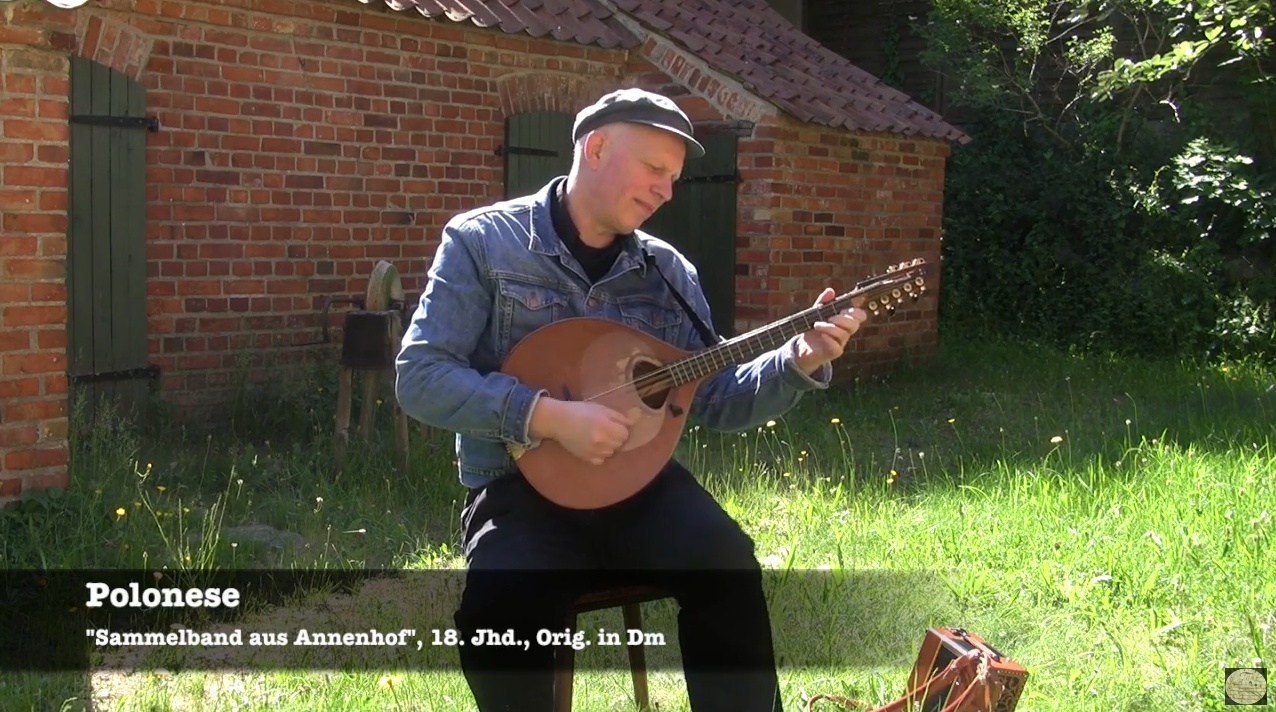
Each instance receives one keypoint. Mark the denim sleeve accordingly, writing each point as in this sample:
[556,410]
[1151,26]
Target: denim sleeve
[749,394]
[435,382]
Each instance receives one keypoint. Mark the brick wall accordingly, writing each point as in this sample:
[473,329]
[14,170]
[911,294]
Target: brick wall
[296,151]
[818,207]
[828,208]
[33,201]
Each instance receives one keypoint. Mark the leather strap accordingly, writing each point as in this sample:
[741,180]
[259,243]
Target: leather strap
[706,334]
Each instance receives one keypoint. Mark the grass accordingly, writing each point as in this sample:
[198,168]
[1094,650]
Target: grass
[1106,523]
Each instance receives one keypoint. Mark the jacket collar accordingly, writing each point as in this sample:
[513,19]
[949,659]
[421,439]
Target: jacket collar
[544,239]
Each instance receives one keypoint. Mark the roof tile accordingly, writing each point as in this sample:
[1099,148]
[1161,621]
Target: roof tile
[584,21]
[746,38]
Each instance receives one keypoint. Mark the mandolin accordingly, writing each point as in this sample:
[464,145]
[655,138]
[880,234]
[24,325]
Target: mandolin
[653,382]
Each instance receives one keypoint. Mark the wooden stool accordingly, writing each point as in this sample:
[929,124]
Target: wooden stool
[370,344]
[628,600]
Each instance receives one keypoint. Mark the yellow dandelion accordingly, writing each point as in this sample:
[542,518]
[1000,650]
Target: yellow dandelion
[119,512]
[952,420]
[770,423]
[161,488]
[388,681]
[1057,439]
[835,421]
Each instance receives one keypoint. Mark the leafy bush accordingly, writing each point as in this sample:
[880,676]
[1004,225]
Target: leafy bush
[1127,207]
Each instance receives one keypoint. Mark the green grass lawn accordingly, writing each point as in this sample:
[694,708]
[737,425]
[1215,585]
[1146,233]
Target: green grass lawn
[1105,523]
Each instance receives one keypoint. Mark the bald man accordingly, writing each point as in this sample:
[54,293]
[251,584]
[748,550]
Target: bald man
[575,248]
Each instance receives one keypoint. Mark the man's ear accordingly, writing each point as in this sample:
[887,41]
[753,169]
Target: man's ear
[595,144]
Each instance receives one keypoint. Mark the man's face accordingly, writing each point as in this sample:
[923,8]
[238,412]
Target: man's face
[636,171]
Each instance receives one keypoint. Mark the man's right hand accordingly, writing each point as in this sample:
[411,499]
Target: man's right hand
[589,431]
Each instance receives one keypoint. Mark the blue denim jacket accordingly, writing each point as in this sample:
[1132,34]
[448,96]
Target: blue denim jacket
[497,276]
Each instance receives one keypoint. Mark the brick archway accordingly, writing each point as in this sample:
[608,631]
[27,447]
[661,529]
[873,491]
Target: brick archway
[564,93]
[117,45]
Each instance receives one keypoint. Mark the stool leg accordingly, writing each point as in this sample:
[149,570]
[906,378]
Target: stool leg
[632,614]
[564,672]
[343,415]
[400,417]
[368,413]
[401,435]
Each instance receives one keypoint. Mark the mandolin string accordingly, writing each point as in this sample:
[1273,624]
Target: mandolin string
[665,377]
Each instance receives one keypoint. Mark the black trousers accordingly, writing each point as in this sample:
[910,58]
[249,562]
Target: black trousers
[528,558]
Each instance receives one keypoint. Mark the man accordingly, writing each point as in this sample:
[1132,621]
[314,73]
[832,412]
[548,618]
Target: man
[574,248]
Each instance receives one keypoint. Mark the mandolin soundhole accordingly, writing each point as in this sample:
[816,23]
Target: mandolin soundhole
[652,389]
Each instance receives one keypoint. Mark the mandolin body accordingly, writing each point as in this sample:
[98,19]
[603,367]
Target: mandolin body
[653,383]
[586,358]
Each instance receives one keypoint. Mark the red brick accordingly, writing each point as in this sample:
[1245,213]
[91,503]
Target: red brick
[12,199]
[49,361]
[34,410]
[18,246]
[10,486]
[35,458]
[34,130]
[20,436]
[34,222]
[39,315]
[11,388]
[21,36]
[17,176]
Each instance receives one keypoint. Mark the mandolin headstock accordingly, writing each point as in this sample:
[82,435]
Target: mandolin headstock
[900,282]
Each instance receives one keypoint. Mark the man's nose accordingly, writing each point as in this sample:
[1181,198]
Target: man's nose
[664,189]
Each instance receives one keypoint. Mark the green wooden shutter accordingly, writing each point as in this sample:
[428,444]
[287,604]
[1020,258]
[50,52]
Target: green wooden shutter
[700,221]
[538,146]
[106,239]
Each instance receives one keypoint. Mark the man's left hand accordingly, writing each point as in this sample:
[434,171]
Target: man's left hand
[827,340]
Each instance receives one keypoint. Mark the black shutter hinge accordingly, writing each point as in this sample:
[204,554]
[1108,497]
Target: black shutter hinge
[525,151]
[150,123]
[149,372]
[720,178]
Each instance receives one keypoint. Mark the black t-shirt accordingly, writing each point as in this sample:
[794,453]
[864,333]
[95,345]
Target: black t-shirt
[597,261]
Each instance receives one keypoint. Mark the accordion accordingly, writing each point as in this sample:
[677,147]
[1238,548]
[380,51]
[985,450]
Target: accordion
[1002,680]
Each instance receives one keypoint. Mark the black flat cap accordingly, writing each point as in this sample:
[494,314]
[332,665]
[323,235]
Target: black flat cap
[638,107]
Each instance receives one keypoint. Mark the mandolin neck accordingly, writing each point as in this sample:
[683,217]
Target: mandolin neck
[746,347]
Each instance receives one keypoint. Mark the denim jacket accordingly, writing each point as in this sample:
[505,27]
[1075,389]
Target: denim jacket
[499,273]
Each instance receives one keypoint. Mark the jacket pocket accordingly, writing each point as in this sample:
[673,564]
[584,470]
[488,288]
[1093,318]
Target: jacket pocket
[653,317]
[524,307]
